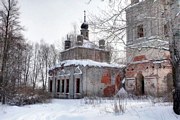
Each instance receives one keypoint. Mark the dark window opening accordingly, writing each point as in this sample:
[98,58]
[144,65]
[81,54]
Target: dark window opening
[77,85]
[159,64]
[87,34]
[67,86]
[50,89]
[58,86]
[142,88]
[165,30]
[62,86]
[140,31]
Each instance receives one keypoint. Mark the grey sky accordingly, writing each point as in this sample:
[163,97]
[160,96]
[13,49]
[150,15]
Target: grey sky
[53,19]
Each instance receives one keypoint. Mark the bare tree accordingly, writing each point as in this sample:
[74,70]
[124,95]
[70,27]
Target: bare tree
[28,54]
[44,60]
[35,65]
[11,38]
[110,25]
[53,56]
[44,56]
[173,16]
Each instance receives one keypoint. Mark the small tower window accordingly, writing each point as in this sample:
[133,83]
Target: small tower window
[165,30]
[140,31]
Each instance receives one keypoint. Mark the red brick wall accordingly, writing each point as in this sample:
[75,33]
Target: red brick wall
[106,78]
[118,83]
[139,58]
[109,91]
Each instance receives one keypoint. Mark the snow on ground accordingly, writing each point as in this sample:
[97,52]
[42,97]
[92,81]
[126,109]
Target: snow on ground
[60,109]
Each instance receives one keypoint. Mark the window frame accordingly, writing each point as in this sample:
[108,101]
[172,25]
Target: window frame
[140,31]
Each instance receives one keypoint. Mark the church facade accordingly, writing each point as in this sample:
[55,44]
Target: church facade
[85,69]
[149,71]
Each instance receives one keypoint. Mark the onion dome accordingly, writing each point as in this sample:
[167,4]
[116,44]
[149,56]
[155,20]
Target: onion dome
[84,24]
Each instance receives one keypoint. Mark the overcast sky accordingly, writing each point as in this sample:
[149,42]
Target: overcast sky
[53,19]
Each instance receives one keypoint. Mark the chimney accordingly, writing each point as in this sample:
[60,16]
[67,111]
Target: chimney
[67,43]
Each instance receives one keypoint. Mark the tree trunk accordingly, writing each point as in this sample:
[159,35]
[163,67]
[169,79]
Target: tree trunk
[176,101]
[176,71]
[176,94]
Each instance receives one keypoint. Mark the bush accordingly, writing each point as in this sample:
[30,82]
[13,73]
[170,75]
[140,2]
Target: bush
[25,95]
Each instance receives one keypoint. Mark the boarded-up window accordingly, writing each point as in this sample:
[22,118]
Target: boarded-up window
[77,85]
[58,86]
[62,89]
[140,31]
[50,86]
[67,86]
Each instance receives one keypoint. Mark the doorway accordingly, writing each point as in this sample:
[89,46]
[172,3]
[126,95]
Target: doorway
[140,84]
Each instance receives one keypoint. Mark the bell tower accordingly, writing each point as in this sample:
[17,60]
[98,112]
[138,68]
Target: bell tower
[84,28]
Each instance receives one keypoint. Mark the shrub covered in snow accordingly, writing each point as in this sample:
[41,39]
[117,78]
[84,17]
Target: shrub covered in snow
[24,95]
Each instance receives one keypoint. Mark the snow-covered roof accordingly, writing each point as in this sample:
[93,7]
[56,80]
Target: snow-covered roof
[153,61]
[87,62]
[89,44]
[151,42]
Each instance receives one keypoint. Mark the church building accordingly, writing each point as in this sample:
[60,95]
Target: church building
[85,69]
[149,71]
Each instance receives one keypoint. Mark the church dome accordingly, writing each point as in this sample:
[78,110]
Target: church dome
[84,25]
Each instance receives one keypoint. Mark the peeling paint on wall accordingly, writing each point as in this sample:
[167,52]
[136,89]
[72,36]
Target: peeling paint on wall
[118,83]
[109,91]
[106,77]
[155,75]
